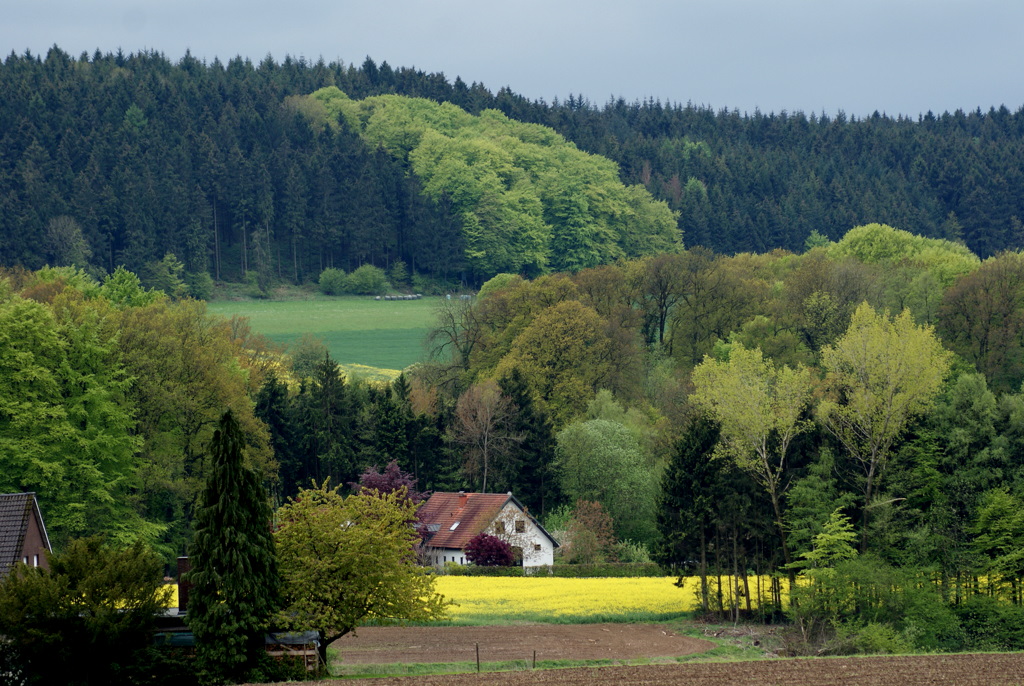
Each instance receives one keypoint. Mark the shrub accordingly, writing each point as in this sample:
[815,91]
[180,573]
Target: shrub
[582,571]
[91,613]
[200,285]
[399,274]
[306,354]
[868,639]
[485,550]
[368,280]
[499,282]
[333,281]
[991,624]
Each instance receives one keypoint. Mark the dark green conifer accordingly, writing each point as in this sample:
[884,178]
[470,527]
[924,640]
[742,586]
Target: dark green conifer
[234,567]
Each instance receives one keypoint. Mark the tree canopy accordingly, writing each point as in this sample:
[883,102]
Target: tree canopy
[346,561]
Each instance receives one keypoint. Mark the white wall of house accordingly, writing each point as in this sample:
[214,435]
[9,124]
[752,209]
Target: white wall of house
[515,527]
[439,557]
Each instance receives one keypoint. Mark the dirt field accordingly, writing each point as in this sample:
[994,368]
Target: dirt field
[376,645]
[961,670]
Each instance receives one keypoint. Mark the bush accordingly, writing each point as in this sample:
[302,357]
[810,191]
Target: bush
[91,614]
[306,354]
[991,624]
[399,274]
[584,571]
[485,550]
[368,280]
[200,285]
[429,285]
[630,551]
[868,639]
[866,590]
[499,282]
[333,281]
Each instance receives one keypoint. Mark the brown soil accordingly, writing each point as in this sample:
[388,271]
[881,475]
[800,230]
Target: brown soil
[965,670]
[379,645]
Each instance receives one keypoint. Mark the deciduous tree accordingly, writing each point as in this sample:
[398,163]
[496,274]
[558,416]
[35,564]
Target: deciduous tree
[89,618]
[882,372]
[483,427]
[347,561]
[759,408]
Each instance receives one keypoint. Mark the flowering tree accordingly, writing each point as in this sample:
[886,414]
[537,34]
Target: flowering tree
[346,561]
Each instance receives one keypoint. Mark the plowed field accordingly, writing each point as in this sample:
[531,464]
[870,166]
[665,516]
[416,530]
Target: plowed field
[379,645]
[966,670]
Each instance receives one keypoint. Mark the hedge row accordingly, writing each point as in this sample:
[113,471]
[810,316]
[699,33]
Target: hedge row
[605,569]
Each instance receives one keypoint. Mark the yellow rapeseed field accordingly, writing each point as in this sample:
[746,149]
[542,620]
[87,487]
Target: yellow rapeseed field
[558,600]
[483,600]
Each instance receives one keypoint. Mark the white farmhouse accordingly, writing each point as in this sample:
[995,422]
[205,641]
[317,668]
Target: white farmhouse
[451,520]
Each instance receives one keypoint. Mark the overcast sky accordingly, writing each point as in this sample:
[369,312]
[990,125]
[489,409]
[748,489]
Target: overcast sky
[894,56]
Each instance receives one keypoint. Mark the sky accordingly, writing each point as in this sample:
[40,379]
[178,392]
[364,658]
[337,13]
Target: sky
[857,56]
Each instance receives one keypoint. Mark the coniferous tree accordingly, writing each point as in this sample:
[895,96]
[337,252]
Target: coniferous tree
[274,408]
[234,573]
[690,488]
[533,481]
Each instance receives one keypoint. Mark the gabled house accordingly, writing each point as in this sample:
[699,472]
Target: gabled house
[451,520]
[22,532]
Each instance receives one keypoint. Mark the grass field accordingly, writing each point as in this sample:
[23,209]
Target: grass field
[356,330]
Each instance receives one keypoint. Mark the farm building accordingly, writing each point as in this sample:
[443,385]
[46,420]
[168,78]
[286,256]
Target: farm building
[451,520]
[22,532]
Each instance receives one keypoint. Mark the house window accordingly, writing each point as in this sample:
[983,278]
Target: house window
[462,560]
[520,526]
[536,546]
[499,527]
[25,559]
[35,560]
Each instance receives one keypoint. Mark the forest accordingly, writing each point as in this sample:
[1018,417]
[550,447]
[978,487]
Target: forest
[801,390]
[121,159]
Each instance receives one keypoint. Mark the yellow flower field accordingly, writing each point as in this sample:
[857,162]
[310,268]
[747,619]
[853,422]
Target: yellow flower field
[488,600]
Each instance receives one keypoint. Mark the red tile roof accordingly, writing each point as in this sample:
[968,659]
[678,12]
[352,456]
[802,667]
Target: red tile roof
[473,511]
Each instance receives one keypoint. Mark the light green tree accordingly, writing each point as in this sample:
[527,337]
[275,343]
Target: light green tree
[759,408]
[834,544]
[67,430]
[348,561]
[601,460]
[880,374]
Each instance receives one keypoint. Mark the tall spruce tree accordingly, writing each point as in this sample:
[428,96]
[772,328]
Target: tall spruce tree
[234,573]
[691,485]
[533,481]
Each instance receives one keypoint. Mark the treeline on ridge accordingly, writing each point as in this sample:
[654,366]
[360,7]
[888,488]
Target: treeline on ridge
[115,159]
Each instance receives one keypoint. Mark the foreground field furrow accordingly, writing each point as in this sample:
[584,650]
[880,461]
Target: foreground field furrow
[966,670]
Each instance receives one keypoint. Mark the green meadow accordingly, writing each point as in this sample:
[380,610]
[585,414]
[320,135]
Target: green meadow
[358,330]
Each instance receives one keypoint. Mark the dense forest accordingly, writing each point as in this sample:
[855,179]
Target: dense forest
[120,159]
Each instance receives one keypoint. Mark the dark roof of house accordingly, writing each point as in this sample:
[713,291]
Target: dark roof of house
[452,519]
[16,510]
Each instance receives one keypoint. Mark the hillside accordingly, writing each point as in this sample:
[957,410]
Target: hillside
[111,159]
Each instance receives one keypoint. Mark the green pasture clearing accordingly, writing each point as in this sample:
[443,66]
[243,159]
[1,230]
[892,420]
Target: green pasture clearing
[388,334]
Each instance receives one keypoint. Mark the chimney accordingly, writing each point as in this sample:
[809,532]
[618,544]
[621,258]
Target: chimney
[184,585]
[463,498]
